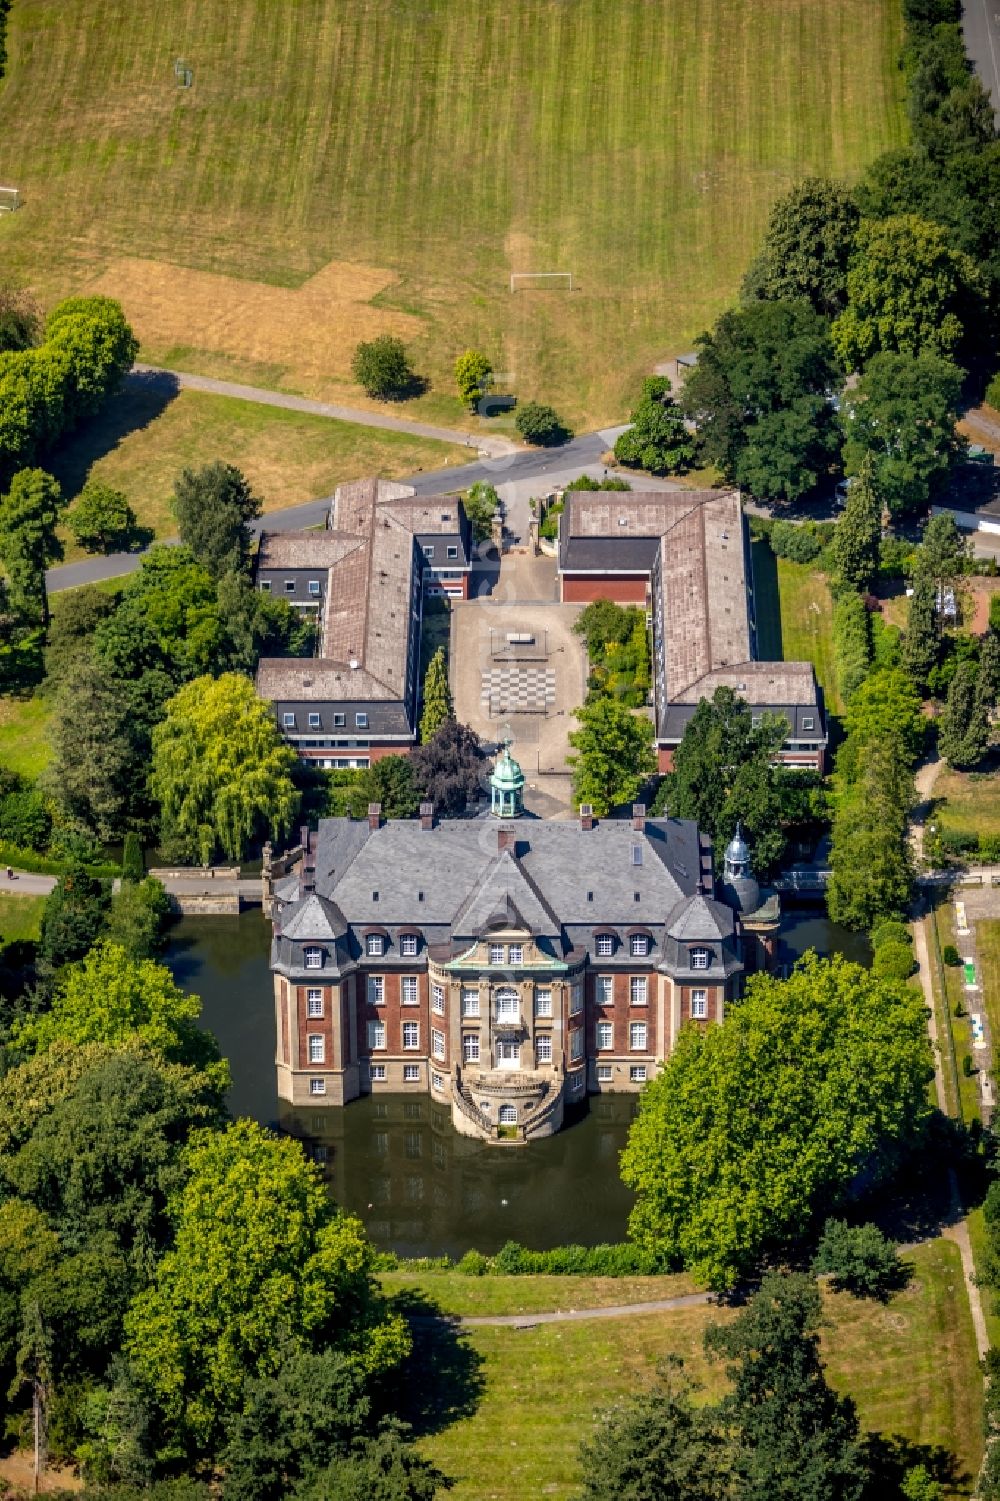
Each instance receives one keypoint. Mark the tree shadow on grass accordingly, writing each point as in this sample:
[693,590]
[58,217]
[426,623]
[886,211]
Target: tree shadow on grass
[144,396]
[891,1455]
[442,1380]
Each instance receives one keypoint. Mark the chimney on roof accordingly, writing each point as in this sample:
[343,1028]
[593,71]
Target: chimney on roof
[506,838]
[427,815]
[374,815]
[586,816]
[304,836]
[638,817]
[307,879]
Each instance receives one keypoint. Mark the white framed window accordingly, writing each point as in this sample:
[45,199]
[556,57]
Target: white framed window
[576,1045]
[699,1004]
[437,1081]
[637,1037]
[314,958]
[317,1048]
[496,953]
[289,586]
[428,549]
[378,1072]
[408,990]
[437,999]
[605,1035]
[575,998]
[515,954]
[376,1035]
[376,990]
[288,721]
[699,958]
[408,944]
[361,720]
[317,1086]
[374,945]
[808,723]
[265,585]
[314,588]
[605,990]
[604,1073]
[638,990]
[755,721]
[314,1003]
[637,1073]
[339,721]
[452,552]
[437,1043]
[314,721]
[543,1003]
[639,945]
[470,1002]
[605,945]
[470,1048]
[411,1034]
[411,1073]
[508,1004]
[507,1115]
[543,1048]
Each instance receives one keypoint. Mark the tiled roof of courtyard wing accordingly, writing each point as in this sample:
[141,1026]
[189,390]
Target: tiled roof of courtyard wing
[315,917]
[769,683]
[437,513]
[308,549]
[705,624]
[315,679]
[613,532]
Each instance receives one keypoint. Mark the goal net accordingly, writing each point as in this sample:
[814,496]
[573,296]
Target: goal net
[526,281]
[10,199]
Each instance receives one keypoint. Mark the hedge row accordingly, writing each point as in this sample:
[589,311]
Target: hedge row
[514,1260]
[50,865]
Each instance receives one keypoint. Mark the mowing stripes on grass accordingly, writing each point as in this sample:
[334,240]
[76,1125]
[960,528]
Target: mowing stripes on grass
[638,146]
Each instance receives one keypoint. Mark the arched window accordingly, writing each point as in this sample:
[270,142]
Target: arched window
[507,1115]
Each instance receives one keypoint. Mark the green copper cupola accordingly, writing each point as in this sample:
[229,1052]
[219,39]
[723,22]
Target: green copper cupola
[506,784]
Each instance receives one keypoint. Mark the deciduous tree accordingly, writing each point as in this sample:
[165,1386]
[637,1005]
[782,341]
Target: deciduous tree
[614,754]
[214,507]
[437,702]
[754,1125]
[29,514]
[74,914]
[449,767]
[262,1266]
[101,520]
[481,501]
[382,368]
[472,373]
[759,395]
[657,439]
[903,412]
[908,292]
[539,424]
[137,922]
[221,771]
[167,620]
[724,773]
[20,316]
[807,247]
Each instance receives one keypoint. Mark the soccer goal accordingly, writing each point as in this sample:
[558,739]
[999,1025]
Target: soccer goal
[10,200]
[540,281]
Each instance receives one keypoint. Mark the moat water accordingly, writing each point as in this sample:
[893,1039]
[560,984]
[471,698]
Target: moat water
[420,1188]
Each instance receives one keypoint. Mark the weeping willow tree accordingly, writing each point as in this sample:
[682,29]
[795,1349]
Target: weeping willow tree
[222,774]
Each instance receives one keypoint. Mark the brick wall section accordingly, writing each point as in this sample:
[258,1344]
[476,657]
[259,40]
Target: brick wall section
[321,1026]
[393,1013]
[623,588]
[621,1012]
[713,998]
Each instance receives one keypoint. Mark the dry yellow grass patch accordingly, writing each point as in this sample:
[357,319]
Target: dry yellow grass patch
[309,331]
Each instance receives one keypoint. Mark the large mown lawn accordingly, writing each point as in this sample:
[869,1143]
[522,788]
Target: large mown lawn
[807,624]
[141,442]
[911,1367]
[967,802]
[343,167]
[24,745]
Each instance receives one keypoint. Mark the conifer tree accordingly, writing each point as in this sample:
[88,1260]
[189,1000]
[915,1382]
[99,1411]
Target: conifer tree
[857,540]
[922,639]
[437,697]
[964,730]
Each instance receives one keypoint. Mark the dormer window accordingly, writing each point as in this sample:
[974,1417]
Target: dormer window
[639,945]
[314,958]
[375,945]
[605,945]
[408,945]
[516,954]
[700,958]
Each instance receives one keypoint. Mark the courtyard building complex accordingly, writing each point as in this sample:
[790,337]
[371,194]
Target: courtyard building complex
[685,556]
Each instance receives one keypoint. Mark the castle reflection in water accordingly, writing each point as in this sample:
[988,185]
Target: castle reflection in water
[423,1189]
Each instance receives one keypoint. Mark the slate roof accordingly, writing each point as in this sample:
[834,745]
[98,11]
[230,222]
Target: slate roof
[306,549]
[504,891]
[760,683]
[700,918]
[315,917]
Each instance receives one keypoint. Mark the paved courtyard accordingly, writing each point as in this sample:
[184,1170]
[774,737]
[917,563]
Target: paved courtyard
[516,662]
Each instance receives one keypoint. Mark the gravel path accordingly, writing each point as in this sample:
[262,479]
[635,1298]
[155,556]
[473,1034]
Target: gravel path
[574,1315]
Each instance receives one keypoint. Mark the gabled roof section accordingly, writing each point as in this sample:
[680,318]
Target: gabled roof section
[700,918]
[313,918]
[504,892]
